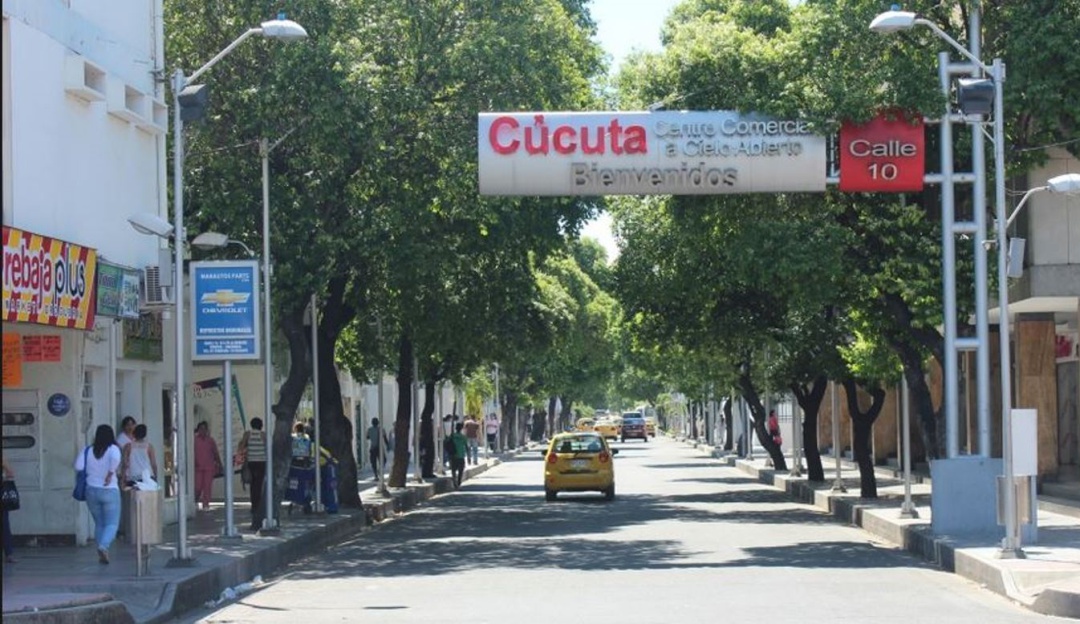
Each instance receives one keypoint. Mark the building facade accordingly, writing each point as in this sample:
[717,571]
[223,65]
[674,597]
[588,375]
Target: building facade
[84,125]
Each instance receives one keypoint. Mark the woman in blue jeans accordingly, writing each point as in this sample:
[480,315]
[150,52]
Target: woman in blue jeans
[102,464]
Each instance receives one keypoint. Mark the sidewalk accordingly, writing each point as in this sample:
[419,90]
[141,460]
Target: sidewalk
[67,585]
[1047,581]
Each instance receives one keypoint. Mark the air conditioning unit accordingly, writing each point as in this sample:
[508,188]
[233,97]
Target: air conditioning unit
[153,292]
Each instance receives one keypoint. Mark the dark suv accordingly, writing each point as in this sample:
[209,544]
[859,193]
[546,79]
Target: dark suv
[633,426]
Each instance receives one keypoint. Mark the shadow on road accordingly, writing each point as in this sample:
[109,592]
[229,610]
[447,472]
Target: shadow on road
[492,525]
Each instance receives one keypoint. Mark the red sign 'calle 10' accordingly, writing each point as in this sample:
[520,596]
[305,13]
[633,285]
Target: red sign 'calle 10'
[882,156]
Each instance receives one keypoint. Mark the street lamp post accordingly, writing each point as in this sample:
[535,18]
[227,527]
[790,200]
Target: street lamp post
[274,29]
[892,21]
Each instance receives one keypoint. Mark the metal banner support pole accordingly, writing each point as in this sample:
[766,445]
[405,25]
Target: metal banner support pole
[838,482]
[229,530]
[907,510]
[315,397]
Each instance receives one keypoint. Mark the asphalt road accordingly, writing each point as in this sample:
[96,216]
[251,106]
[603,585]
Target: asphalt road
[686,540]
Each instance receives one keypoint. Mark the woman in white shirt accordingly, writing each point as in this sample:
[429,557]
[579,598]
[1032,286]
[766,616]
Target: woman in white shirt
[101,461]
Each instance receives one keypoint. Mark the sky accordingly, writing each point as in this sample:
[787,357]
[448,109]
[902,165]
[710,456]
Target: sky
[623,26]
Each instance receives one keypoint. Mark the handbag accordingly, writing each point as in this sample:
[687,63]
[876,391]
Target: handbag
[79,493]
[9,495]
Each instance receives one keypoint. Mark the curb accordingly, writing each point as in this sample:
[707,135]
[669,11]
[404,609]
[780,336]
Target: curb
[190,593]
[193,592]
[1061,598]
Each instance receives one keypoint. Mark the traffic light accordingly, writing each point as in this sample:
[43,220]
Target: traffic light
[976,96]
[193,102]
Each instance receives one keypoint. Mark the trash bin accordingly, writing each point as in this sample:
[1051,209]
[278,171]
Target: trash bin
[145,520]
[145,523]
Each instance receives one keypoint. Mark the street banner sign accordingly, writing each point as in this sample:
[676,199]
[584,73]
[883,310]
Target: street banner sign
[647,153]
[883,155]
[225,304]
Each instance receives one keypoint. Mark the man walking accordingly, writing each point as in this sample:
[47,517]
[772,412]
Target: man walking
[472,436]
[378,443]
[457,461]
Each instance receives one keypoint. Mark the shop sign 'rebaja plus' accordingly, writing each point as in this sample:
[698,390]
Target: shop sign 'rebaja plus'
[48,281]
[643,153]
[882,156]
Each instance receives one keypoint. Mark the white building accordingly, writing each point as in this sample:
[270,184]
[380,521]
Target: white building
[84,125]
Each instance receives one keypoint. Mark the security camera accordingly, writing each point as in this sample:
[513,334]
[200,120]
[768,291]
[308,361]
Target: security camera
[151,224]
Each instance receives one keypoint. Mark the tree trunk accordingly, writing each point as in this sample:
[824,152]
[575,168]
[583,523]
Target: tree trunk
[810,402]
[290,395]
[757,410]
[427,432]
[729,426]
[564,416]
[551,417]
[402,422]
[862,426]
[539,419]
[335,429]
[924,404]
[513,426]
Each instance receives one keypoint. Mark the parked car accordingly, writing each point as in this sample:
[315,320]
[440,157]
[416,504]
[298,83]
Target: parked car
[579,462]
[634,427]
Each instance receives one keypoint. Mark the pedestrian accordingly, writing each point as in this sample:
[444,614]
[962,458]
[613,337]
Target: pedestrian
[449,421]
[472,436]
[302,453]
[9,539]
[253,446]
[774,428]
[378,445]
[101,461]
[138,458]
[457,461]
[127,432]
[208,464]
[491,428]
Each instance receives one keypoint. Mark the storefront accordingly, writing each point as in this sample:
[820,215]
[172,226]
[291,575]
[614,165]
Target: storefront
[77,354]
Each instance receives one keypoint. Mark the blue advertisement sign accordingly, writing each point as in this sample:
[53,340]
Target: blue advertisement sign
[225,310]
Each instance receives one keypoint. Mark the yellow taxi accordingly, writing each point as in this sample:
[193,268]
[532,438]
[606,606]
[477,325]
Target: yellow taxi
[584,424]
[579,462]
[650,426]
[607,428]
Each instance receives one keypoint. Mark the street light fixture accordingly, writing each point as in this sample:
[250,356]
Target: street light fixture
[1068,184]
[282,29]
[893,21]
[217,240]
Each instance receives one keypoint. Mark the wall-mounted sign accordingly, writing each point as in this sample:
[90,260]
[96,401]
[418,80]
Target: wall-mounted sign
[642,153]
[117,291]
[12,364]
[42,348]
[225,310]
[48,281]
[882,156]
[59,404]
[143,338]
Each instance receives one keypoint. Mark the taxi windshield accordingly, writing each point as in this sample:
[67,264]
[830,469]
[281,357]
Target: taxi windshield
[579,444]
